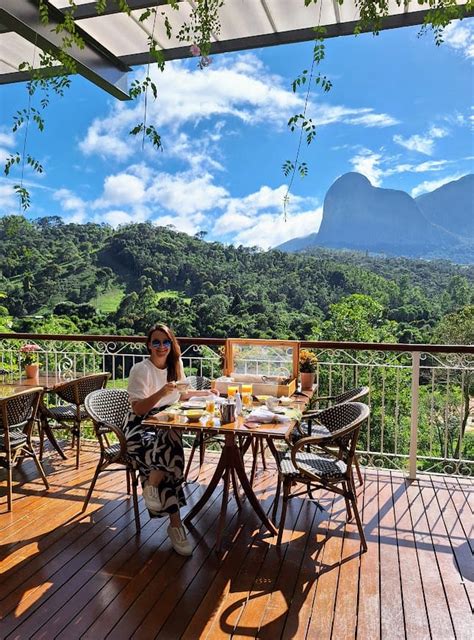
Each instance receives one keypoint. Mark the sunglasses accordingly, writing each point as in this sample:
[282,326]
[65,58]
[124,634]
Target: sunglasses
[156,344]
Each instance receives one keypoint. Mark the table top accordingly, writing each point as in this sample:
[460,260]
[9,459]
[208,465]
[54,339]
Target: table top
[239,427]
[47,381]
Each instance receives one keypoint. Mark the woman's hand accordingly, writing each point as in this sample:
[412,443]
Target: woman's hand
[169,387]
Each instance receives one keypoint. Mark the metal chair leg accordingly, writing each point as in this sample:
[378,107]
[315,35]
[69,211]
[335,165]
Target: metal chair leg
[286,492]
[135,498]
[359,474]
[195,445]
[98,469]
[39,466]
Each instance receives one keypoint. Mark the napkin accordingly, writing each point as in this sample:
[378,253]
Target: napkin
[262,414]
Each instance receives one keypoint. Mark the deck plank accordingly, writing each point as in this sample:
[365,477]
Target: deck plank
[391,605]
[422,500]
[368,624]
[416,618]
[67,574]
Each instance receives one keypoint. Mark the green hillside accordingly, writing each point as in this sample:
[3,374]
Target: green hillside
[91,278]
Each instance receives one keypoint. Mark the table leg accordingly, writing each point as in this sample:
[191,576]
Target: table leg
[225,498]
[249,492]
[51,437]
[214,481]
[230,463]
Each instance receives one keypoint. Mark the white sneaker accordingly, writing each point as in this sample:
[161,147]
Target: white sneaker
[180,542]
[151,497]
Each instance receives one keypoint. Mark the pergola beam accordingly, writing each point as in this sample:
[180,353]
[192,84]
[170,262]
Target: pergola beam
[93,61]
[282,37]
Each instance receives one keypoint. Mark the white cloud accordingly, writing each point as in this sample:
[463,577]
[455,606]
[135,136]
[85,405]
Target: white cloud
[258,219]
[186,224]
[422,167]
[423,143]
[367,162]
[6,139]
[460,37]
[73,208]
[117,217]
[121,189]
[8,199]
[269,230]
[240,87]
[185,194]
[431,185]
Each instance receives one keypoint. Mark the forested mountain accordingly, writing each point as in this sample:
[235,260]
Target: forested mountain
[56,277]
[359,216]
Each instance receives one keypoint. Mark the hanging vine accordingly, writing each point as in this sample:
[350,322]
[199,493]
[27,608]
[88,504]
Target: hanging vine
[51,76]
[372,13]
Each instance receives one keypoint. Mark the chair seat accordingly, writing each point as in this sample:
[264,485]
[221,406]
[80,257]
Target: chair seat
[17,439]
[66,412]
[325,466]
[113,450]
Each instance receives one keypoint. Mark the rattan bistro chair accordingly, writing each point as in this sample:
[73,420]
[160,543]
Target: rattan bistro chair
[17,414]
[70,415]
[324,461]
[108,410]
[351,395]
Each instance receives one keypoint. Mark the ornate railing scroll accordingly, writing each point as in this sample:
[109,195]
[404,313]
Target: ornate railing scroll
[445,404]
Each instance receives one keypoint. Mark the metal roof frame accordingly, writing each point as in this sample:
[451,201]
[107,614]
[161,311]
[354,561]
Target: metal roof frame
[114,41]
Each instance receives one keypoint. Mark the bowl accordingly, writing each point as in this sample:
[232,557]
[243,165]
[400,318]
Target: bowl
[193,414]
[164,416]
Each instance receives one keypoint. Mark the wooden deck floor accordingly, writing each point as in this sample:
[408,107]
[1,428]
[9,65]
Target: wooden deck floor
[70,575]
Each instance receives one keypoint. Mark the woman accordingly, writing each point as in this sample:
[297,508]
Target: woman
[158,453]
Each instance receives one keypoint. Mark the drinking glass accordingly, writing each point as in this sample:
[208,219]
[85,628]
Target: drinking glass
[232,390]
[210,405]
[247,388]
[246,399]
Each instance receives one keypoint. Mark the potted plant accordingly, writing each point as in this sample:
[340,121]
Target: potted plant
[29,359]
[308,364]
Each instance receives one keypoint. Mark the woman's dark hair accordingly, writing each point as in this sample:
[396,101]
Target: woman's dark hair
[174,355]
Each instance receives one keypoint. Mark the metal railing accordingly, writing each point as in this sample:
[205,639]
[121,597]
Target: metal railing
[421,396]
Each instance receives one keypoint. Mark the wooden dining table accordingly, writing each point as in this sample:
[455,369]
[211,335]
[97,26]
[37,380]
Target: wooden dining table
[230,467]
[10,384]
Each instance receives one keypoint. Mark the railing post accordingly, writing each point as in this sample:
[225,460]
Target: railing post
[415,386]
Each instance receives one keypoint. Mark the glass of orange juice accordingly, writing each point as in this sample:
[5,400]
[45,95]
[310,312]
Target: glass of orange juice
[247,388]
[246,400]
[210,405]
[232,390]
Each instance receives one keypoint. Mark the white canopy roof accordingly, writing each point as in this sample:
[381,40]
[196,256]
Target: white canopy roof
[116,41]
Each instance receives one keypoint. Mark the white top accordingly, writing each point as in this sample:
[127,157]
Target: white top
[145,379]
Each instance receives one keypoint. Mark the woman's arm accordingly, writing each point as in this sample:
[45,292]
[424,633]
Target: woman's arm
[144,392]
[143,406]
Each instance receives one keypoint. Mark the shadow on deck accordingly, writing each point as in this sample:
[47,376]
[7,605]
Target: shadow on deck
[67,575]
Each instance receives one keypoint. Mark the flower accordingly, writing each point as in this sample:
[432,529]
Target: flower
[308,361]
[195,50]
[28,353]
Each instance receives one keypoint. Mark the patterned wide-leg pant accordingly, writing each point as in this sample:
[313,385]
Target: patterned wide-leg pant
[159,449]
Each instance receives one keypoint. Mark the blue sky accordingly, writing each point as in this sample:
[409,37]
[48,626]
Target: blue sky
[400,112]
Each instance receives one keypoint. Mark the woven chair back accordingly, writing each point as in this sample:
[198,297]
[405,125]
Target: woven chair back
[199,382]
[16,411]
[108,406]
[351,395]
[75,391]
[348,416]
[340,416]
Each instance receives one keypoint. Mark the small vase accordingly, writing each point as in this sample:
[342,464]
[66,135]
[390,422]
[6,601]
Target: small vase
[307,380]
[32,370]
